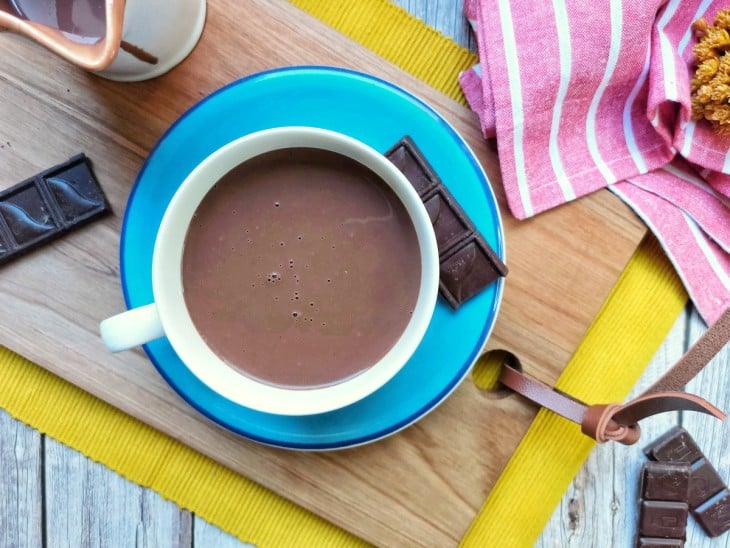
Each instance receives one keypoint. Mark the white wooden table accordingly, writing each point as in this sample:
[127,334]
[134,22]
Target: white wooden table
[51,495]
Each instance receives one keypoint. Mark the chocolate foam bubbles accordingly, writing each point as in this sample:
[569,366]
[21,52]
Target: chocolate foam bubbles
[301,268]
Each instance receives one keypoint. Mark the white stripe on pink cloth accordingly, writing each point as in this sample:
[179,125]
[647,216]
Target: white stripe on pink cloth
[583,95]
[634,109]
[702,266]
[592,147]
[680,185]
[564,56]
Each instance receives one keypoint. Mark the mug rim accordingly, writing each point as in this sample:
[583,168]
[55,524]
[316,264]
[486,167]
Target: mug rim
[190,346]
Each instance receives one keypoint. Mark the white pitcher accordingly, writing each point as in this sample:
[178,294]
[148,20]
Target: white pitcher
[125,40]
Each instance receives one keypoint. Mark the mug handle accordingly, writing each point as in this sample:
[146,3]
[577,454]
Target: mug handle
[132,328]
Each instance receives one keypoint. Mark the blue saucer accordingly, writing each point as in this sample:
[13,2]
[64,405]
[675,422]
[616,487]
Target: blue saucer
[379,114]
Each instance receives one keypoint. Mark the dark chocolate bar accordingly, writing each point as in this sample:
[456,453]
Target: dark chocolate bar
[708,497]
[468,263]
[663,507]
[46,206]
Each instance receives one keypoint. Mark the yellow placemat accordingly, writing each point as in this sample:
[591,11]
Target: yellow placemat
[647,295]
[633,322]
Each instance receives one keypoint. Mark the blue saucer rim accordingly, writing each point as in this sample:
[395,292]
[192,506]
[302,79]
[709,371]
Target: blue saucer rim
[457,378]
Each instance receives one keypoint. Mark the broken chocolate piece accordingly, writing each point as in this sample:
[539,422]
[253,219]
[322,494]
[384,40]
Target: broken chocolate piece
[714,514]
[663,504]
[468,263]
[47,205]
[708,497]
[704,482]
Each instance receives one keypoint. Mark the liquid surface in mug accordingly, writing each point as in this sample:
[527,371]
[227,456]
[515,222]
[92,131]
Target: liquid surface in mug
[85,20]
[301,268]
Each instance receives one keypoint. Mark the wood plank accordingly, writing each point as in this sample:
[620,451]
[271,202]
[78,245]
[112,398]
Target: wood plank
[561,264]
[21,503]
[446,16]
[87,505]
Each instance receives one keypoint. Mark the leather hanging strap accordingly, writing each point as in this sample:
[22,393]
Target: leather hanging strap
[711,342]
[619,422]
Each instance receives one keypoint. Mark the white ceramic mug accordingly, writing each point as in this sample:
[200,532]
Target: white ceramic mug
[143,38]
[168,315]
[165,29]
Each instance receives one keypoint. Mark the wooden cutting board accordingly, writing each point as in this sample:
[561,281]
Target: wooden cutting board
[422,486]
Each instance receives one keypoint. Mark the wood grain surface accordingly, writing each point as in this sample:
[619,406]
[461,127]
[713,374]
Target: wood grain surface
[422,486]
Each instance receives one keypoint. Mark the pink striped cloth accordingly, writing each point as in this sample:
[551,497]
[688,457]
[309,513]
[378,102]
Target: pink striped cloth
[583,95]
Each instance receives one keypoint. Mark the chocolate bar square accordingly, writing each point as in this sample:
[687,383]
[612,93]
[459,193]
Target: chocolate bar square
[27,214]
[665,481]
[676,445]
[714,514]
[465,272]
[448,226]
[663,519]
[704,483]
[407,157]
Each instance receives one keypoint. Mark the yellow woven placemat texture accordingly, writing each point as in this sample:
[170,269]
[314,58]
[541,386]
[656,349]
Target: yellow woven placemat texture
[647,295]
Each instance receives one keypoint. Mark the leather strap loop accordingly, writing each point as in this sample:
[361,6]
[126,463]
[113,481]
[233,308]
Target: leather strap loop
[605,422]
[616,422]
[598,423]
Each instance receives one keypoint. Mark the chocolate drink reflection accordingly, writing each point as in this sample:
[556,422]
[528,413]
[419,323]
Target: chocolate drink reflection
[82,20]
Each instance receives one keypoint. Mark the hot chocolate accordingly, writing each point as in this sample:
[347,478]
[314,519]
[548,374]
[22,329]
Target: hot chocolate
[301,268]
